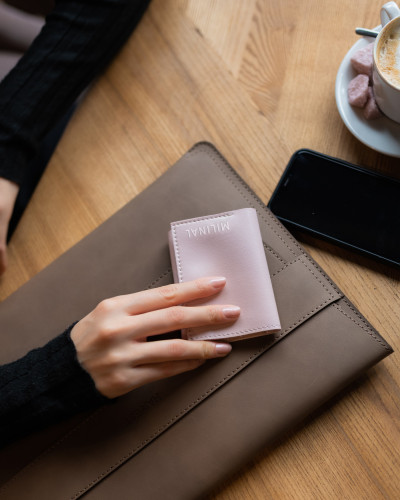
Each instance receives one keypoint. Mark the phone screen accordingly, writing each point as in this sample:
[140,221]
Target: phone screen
[343,203]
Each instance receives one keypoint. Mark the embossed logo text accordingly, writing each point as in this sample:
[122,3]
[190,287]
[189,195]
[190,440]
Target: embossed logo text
[219,227]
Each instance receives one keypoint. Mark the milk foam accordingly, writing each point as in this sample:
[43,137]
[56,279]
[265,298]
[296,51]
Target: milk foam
[389,56]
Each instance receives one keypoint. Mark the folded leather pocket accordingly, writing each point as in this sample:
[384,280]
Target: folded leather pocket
[299,296]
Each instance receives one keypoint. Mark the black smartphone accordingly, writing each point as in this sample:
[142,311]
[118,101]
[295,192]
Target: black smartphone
[342,203]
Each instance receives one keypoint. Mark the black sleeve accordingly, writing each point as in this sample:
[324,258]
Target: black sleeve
[46,385]
[77,41]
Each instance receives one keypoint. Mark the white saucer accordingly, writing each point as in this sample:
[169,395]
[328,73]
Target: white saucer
[382,134]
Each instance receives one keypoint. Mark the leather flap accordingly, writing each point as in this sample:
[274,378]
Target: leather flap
[301,290]
[115,433]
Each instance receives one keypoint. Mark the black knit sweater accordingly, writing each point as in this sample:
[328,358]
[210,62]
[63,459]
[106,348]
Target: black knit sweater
[78,40]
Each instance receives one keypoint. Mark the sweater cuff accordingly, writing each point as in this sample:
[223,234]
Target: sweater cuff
[71,380]
[46,385]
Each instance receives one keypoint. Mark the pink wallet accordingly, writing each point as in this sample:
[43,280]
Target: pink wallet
[230,245]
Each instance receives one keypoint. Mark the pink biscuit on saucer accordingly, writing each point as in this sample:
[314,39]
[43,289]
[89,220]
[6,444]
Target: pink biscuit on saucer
[357,91]
[371,110]
[362,60]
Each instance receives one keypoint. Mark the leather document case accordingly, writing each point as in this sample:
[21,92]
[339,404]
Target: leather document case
[228,244]
[177,438]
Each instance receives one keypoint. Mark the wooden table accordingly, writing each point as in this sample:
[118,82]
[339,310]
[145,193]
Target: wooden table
[256,78]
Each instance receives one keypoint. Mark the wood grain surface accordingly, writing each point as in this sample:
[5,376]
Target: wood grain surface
[256,78]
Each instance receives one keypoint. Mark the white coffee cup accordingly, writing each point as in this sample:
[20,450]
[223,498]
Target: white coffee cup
[386,69]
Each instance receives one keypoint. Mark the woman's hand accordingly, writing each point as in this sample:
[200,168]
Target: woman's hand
[8,195]
[111,340]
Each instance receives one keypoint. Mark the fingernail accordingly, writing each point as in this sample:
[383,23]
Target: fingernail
[218,282]
[231,311]
[223,348]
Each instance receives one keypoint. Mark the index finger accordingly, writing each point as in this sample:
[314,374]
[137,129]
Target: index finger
[171,295]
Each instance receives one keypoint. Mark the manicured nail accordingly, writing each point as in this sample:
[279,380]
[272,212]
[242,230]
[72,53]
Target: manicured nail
[218,282]
[231,311]
[223,349]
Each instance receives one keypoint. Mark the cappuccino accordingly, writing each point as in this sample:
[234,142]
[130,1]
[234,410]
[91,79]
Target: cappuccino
[388,56]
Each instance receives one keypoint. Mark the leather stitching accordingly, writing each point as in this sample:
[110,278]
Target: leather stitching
[270,250]
[362,324]
[168,271]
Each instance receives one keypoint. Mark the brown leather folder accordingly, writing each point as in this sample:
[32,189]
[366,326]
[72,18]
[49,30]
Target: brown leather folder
[176,439]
